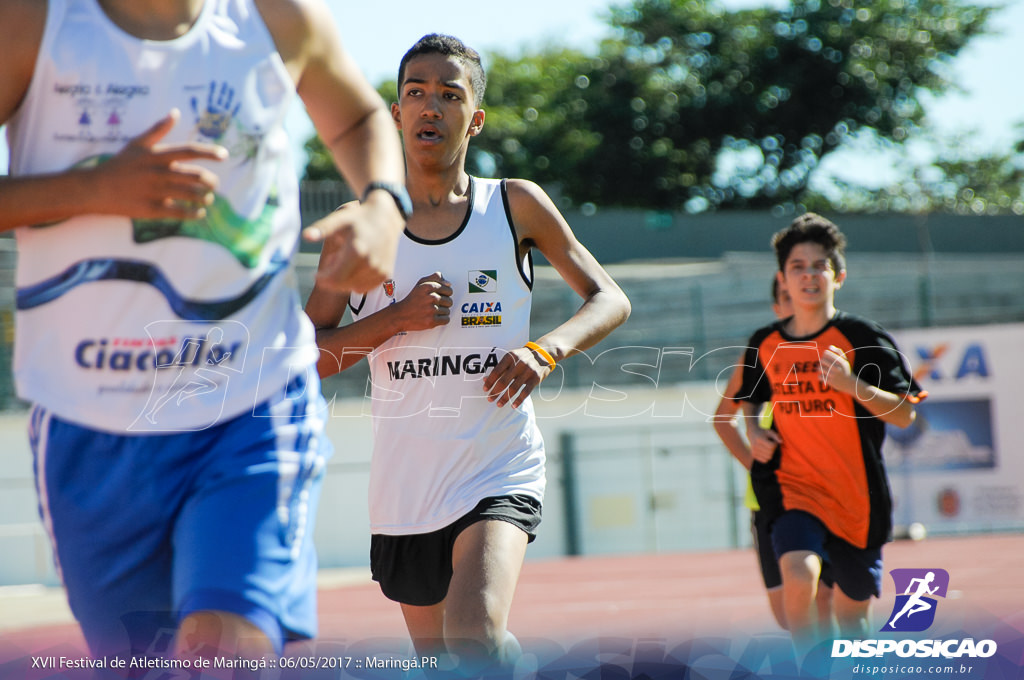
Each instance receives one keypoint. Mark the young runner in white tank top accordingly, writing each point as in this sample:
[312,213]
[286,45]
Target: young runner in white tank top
[436,436]
[457,475]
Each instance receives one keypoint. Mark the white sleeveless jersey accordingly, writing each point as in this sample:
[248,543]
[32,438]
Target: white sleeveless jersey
[160,325]
[439,446]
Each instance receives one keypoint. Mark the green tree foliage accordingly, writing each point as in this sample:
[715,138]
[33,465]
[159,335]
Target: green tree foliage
[537,123]
[692,105]
[319,166]
[688,105]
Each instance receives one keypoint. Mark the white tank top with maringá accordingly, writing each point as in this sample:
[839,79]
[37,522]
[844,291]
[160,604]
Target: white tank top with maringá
[160,325]
[439,446]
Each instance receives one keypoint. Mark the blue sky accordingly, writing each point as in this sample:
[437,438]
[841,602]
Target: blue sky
[377,34]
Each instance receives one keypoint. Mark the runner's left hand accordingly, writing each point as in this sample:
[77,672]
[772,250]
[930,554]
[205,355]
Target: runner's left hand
[516,375]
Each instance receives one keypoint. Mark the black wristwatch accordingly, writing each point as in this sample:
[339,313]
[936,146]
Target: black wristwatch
[397,192]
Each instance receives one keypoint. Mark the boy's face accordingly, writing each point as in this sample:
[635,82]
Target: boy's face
[808,276]
[435,111]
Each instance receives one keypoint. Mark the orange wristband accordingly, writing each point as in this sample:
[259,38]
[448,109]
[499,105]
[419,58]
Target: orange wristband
[542,352]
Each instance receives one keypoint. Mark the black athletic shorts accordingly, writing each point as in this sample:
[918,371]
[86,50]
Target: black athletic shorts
[416,569]
[857,571]
[761,528]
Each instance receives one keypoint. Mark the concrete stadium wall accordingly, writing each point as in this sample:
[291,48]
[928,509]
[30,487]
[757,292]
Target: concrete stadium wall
[621,235]
[618,438]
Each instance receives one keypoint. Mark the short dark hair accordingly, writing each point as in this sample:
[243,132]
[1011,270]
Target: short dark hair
[811,228]
[449,46]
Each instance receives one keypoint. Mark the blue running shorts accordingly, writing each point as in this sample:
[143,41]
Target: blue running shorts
[150,528]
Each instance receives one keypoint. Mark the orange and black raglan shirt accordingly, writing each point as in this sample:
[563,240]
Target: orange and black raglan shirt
[830,461]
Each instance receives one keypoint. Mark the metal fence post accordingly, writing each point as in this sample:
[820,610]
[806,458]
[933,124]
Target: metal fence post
[567,442]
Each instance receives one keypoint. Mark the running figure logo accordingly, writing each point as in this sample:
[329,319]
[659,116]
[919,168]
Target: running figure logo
[914,609]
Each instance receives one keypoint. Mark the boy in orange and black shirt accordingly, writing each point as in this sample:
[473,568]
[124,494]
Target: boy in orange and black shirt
[834,380]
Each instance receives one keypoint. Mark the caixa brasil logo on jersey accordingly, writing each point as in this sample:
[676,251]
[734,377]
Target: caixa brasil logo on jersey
[481,313]
[917,601]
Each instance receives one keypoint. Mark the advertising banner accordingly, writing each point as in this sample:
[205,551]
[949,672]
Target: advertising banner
[959,467]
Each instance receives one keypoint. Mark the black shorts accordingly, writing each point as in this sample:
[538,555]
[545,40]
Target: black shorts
[762,533]
[857,571]
[416,569]
[761,529]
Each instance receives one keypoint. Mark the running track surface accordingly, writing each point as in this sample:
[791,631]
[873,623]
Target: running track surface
[681,595]
[670,597]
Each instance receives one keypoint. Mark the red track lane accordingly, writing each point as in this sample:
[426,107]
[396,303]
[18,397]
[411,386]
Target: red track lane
[669,596]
